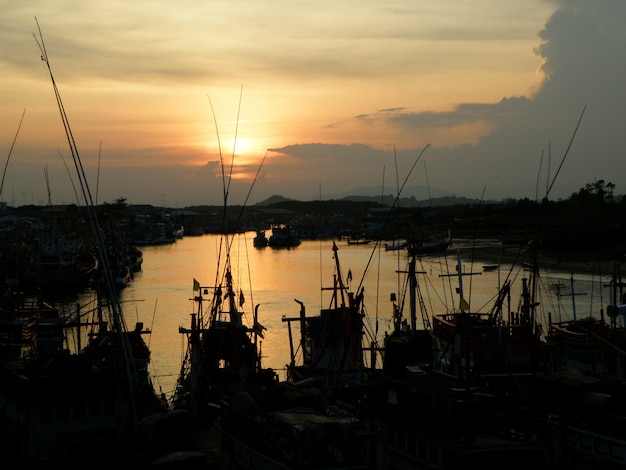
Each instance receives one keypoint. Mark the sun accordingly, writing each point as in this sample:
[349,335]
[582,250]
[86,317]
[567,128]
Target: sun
[242,146]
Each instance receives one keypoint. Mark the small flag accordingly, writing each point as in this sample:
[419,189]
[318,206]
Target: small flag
[259,329]
[527,266]
[196,285]
[463,306]
[241,298]
[349,274]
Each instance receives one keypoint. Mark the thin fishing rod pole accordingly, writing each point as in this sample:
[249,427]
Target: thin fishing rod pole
[45,172]
[395,159]
[114,309]
[482,197]
[535,268]
[567,151]
[241,212]
[382,189]
[232,165]
[117,317]
[224,191]
[321,263]
[64,118]
[430,197]
[98,174]
[538,177]
[219,146]
[227,180]
[70,177]
[549,165]
[419,157]
[6,164]
[232,158]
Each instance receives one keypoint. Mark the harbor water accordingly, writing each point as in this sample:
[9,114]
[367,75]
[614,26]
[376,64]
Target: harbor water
[161,295]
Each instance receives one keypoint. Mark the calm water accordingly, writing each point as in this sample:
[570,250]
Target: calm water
[161,294]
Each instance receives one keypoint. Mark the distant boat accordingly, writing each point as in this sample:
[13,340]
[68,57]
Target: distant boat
[358,241]
[260,240]
[159,234]
[134,259]
[419,247]
[427,248]
[122,277]
[284,236]
[395,245]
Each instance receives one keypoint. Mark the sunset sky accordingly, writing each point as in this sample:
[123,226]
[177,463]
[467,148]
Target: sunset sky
[167,100]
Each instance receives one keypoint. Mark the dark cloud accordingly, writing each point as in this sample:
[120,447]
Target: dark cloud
[462,114]
[324,152]
[583,53]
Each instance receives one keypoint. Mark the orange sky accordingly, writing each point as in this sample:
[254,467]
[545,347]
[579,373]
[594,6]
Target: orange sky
[154,89]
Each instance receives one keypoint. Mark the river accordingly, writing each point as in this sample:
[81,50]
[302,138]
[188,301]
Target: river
[161,294]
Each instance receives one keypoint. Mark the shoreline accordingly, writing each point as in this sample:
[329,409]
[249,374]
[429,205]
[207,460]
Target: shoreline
[583,263]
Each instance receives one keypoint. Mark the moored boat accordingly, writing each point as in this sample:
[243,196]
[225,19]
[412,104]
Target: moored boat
[260,239]
[584,426]
[396,245]
[498,343]
[260,420]
[427,248]
[331,343]
[358,241]
[56,263]
[428,418]
[63,406]
[134,259]
[593,344]
[284,236]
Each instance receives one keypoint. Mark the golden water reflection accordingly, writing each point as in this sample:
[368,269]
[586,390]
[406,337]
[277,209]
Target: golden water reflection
[161,294]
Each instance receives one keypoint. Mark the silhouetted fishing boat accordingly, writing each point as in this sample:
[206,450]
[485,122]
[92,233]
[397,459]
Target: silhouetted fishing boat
[57,263]
[259,419]
[284,236]
[416,246]
[260,239]
[64,407]
[396,245]
[591,344]
[330,343]
[501,343]
[582,419]
[426,419]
